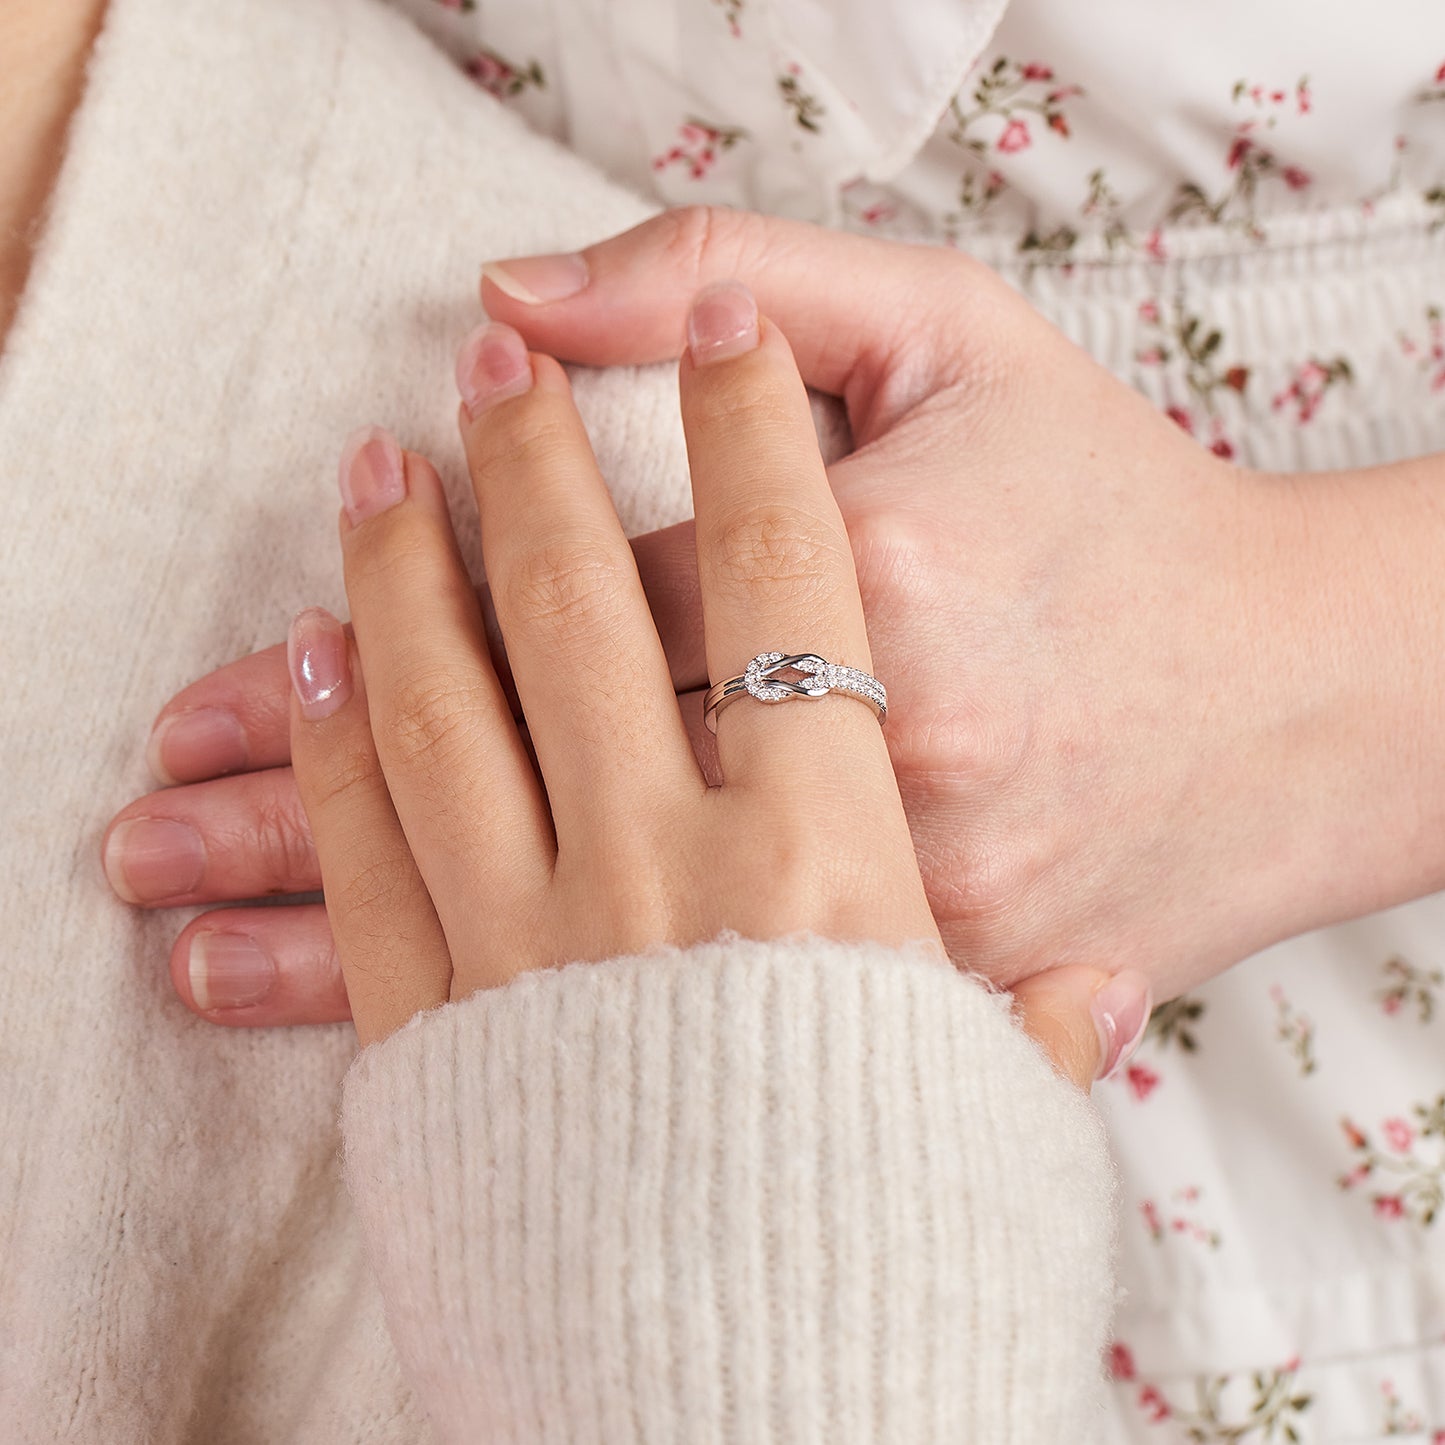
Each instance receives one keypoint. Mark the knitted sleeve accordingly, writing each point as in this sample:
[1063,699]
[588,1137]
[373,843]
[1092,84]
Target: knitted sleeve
[787,1192]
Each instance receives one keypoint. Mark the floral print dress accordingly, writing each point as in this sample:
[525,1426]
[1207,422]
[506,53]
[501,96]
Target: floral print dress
[1239,207]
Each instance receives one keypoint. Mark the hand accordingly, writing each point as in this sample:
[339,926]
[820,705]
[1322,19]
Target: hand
[1114,695]
[449,862]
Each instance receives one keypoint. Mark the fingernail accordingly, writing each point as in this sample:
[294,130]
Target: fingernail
[196,744]
[316,657]
[1121,1014]
[151,859]
[534,280]
[229,970]
[723,323]
[492,365]
[372,474]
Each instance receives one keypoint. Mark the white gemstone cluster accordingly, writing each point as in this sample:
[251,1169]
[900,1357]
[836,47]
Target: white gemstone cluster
[825,677]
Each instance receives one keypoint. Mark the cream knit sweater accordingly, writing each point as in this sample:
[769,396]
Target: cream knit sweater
[753,1192]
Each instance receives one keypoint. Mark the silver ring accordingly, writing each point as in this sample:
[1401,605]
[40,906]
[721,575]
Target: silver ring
[819,678]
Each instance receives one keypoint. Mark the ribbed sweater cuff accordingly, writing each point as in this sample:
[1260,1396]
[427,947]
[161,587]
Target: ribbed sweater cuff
[747,1192]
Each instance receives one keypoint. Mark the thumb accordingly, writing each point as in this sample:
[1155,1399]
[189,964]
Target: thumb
[846,303]
[1089,1022]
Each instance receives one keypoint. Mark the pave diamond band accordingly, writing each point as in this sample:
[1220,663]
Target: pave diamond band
[817,678]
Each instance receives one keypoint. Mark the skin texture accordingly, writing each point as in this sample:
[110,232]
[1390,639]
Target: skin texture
[1150,710]
[449,862]
[45,44]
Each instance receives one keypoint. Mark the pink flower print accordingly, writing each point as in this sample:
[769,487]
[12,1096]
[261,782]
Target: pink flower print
[1008,89]
[1440,75]
[1180,418]
[1015,137]
[1429,351]
[1295,178]
[1237,378]
[1222,447]
[1303,99]
[697,148]
[1154,244]
[1354,1134]
[1309,385]
[1391,1004]
[1398,1135]
[1155,1404]
[1149,311]
[1142,1081]
[1237,152]
[1389,1206]
[1151,356]
[1120,1361]
[499,77]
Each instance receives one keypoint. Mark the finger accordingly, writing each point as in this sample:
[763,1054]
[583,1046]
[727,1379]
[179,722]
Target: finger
[234,718]
[589,669]
[231,838]
[774,564]
[393,953]
[1088,1022]
[846,302]
[704,744]
[238,717]
[260,967]
[458,775]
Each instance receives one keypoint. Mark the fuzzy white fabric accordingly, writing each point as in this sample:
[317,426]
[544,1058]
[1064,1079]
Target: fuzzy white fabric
[268,231]
[793,1191]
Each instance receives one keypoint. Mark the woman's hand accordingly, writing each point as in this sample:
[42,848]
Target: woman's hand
[451,862]
[1125,674]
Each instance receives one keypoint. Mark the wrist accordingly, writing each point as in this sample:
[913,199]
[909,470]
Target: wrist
[1348,609]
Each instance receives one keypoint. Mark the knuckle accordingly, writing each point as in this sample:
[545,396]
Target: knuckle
[372,897]
[700,240]
[389,552]
[335,776]
[778,544]
[430,718]
[532,436]
[281,842]
[748,403]
[567,590]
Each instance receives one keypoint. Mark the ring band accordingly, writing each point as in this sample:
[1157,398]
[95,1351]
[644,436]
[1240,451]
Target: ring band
[819,678]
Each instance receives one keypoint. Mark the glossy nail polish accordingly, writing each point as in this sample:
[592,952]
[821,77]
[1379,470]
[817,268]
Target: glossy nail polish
[492,365]
[317,659]
[148,860]
[229,970]
[198,744]
[372,474]
[1121,1011]
[723,323]
[536,280]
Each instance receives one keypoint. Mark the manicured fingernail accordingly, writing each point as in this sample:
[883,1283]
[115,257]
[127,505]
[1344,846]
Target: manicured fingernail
[229,970]
[148,860]
[535,280]
[196,744]
[316,656]
[492,364]
[723,322]
[372,474]
[1121,1014]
